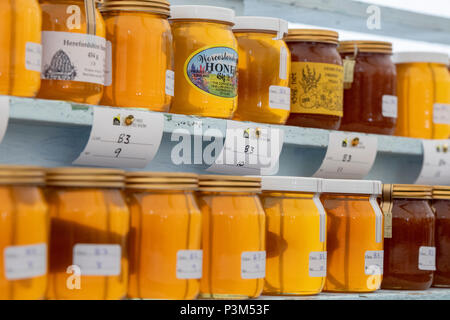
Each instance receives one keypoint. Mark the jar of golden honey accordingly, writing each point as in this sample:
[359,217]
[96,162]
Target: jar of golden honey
[23,233]
[205,53]
[354,235]
[20,47]
[441,207]
[234,256]
[370,101]
[316,79]
[264,67]
[165,237]
[423,88]
[73,51]
[410,253]
[140,68]
[89,234]
[295,236]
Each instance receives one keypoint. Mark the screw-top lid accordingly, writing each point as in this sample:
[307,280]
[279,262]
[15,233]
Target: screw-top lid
[151,6]
[441,192]
[425,57]
[312,35]
[341,186]
[411,191]
[290,184]
[213,183]
[161,181]
[248,23]
[21,175]
[355,46]
[86,177]
[192,12]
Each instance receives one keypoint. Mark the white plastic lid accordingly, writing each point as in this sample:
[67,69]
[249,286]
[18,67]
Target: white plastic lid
[279,26]
[294,184]
[425,57]
[202,13]
[342,186]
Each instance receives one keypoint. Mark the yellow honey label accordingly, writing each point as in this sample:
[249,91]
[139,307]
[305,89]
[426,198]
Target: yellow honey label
[317,88]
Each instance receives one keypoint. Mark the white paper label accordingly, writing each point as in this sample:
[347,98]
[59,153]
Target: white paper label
[73,56]
[114,143]
[389,106]
[373,262]
[24,262]
[33,56]
[283,63]
[253,264]
[170,83]
[189,264]
[436,163]
[349,156]
[323,217]
[318,264]
[4,116]
[378,218]
[280,97]
[427,258]
[108,64]
[98,259]
[249,149]
[441,113]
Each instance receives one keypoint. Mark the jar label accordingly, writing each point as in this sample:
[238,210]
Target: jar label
[98,259]
[24,262]
[170,83]
[427,258]
[373,262]
[389,106]
[73,57]
[318,264]
[253,264]
[33,56]
[189,264]
[280,98]
[317,88]
[283,63]
[441,113]
[213,70]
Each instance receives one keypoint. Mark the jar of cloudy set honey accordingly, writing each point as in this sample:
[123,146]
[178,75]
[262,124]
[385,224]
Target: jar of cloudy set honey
[24,231]
[441,207]
[295,236]
[264,67]
[206,61]
[139,70]
[89,234]
[165,236]
[234,256]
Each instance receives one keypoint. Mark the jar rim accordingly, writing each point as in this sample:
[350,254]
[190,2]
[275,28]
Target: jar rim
[150,6]
[344,186]
[21,175]
[226,183]
[256,23]
[420,57]
[410,191]
[312,35]
[290,184]
[85,177]
[354,46]
[441,192]
[161,180]
[197,12]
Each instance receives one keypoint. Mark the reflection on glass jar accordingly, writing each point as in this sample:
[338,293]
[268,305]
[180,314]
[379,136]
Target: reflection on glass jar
[441,206]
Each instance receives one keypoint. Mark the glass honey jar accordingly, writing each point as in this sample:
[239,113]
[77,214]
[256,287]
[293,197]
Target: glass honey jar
[264,68]
[354,235]
[24,231]
[410,253]
[73,51]
[316,79]
[20,47]
[140,68]
[89,234]
[234,254]
[206,61]
[165,236]
[441,207]
[295,236]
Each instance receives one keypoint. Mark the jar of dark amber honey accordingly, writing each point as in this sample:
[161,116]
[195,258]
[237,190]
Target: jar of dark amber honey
[370,101]
[316,79]
[441,206]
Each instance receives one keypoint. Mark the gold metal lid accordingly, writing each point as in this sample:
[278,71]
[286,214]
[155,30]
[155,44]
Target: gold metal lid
[21,175]
[213,183]
[86,177]
[441,192]
[151,6]
[161,181]
[355,46]
[312,35]
[411,191]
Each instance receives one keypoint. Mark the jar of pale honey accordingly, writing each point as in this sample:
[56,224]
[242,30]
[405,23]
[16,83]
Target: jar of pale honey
[206,58]
[295,236]
[73,51]
[20,45]
[89,234]
[354,235]
[316,79]
[264,68]
[140,65]
[165,239]
[23,233]
[441,207]
[234,255]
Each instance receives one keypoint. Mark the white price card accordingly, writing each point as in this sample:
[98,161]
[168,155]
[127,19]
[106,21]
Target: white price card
[4,116]
[318,264]
[389,106]
[253,264]
[280,98]
[349,156]
[249,149]
[427,258]
[373,262]
[436,163]
[189,264]
[24,262]
[441,113]
[122,138]
[98,259]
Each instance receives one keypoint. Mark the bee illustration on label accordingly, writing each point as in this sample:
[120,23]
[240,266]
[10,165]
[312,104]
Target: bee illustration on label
[116,120]
[60,68]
